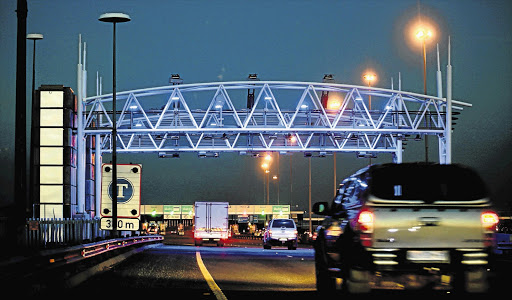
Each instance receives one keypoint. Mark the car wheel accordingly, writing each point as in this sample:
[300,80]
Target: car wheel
[325,284]
[357,281]
[472,281]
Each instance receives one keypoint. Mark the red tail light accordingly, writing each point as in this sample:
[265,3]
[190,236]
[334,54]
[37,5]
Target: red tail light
[489,219]
[365,221]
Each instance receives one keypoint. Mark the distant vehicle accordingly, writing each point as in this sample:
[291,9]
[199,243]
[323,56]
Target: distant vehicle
[152,229]
[181,229]
[211,223]
[280,232]
[412,224]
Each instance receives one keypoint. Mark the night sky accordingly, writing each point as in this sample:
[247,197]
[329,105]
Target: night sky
[299,40]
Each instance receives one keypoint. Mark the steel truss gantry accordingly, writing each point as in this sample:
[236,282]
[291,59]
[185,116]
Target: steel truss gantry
[209,118]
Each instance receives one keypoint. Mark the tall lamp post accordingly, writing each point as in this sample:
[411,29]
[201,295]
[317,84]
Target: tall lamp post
[424,34]
[266,167]
[34,37]
[369,77]
[114,18]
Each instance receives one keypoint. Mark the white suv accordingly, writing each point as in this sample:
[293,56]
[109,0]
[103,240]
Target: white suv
[280,232]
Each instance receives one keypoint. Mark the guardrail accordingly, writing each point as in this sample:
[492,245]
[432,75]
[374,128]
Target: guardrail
[77,253]
[247,236]
[60,267]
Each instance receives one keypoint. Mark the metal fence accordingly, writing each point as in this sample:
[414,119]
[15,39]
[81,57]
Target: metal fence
[57,232]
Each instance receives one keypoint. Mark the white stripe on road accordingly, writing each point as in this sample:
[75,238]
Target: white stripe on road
[209,279]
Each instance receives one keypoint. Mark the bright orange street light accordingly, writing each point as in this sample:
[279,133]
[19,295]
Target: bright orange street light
[424,34]
[369,78]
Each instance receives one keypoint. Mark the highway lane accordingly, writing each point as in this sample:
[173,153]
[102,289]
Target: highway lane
[238,272]
[242,270]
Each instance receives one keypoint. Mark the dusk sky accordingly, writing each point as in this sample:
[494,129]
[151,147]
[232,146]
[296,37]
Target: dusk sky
[286,40]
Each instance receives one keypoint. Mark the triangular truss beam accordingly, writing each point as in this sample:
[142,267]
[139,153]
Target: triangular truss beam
[285,117]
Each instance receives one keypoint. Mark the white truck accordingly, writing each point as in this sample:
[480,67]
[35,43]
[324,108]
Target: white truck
[211,222]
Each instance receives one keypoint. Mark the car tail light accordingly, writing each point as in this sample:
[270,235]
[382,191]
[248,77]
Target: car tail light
[489,221]
[365,221]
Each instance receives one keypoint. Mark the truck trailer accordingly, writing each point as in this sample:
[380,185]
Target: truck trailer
[211,223]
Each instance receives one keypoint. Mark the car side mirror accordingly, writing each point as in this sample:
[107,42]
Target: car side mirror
[321,208]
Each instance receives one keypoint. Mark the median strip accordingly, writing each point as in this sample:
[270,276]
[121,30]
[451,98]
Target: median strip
[209,279]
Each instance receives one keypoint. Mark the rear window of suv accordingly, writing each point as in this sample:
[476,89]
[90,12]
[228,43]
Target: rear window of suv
[428,183]
[283,223]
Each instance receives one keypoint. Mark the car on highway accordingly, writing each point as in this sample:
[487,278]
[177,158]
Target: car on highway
[280,232]
[152,229]
[406,226]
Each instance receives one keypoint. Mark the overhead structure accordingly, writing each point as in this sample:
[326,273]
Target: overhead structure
[209,118]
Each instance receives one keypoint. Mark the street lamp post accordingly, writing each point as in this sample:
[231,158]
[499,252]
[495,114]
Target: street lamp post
[369,77]
[265,166]
[34,37]
[114,18]
[423,35]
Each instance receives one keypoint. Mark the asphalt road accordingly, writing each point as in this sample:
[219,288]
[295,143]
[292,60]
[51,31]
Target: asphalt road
[240,270]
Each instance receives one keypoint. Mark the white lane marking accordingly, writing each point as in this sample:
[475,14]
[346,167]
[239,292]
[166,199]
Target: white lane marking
[209,279]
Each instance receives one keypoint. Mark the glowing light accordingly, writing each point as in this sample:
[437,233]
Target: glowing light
[365,217]
[334,105]
[370,77]
[419,30]
[423,34]
[489,219]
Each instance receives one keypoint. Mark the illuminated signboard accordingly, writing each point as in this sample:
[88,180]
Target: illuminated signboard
[128,190]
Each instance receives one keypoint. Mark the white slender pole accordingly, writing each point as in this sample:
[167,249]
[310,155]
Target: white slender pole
[448,128]
[80,168]
[398,153]
[439,77]
[441,139]
[97,162]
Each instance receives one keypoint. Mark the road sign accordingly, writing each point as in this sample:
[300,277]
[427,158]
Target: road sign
[280,210]
[172,212]
[187,211]
[122,224]
[128,190]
